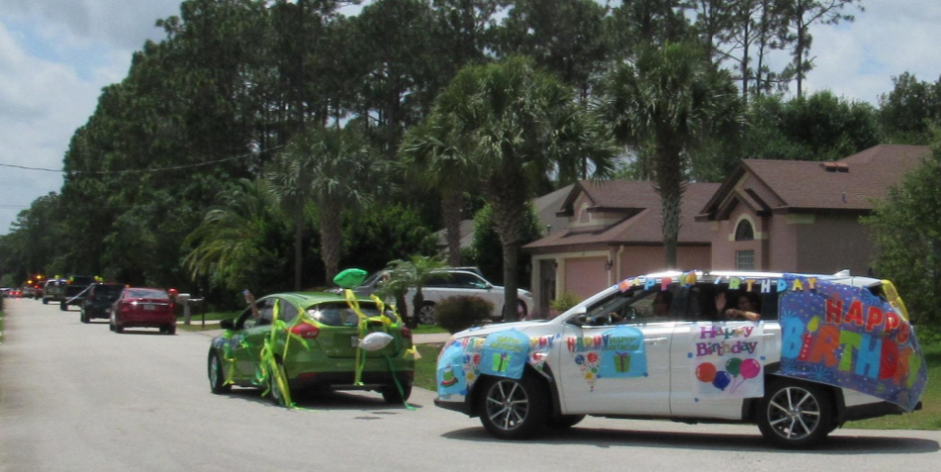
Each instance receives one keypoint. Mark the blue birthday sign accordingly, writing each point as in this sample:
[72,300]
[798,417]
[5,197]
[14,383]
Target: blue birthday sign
[505,354]
[450,378]
[847,337]
[623,354]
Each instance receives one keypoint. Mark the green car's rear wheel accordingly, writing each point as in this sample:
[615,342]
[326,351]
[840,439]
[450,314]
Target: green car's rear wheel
[392,396]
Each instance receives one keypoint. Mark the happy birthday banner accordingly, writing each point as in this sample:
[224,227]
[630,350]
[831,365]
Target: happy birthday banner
[727,359]
[847,337]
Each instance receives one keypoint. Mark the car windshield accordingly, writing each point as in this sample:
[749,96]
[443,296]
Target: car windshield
[81,280]
[147,293]
[340,314]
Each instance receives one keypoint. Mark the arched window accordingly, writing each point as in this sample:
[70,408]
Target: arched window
[744,231]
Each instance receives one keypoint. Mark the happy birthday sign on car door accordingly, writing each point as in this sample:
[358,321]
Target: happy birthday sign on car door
[727,360]
[848,337]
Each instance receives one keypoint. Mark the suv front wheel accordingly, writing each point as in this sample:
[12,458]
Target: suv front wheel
[795,414]
[513,409]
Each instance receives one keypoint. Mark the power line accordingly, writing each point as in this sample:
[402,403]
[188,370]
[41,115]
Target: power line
[139,171]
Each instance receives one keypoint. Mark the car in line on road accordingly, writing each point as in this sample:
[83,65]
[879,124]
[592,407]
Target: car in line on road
[139,307]
[448,283]
[330,327]
[826,350]
[99,301]
[75,289]
[53,291]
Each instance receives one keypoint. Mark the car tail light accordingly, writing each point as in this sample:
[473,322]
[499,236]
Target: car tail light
[406,333]
[306,331]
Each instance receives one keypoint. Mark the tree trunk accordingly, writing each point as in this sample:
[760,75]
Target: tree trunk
[670,188]
[298,245]
[451,203]
[510,294]
[330,219]
[417,301]
[402,308]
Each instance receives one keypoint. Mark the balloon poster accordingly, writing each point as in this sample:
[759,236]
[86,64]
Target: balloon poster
[623,354]
[505,354]
[727,360]
[848,337]
[586,353]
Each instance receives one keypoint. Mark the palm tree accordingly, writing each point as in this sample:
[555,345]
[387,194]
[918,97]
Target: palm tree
[290,186]
[427,152]
[413,274]
[673,100]
[231,237]
[336,169]
[509,124]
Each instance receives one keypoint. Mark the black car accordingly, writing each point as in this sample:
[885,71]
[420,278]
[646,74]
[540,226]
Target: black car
[75,290]
[98,301]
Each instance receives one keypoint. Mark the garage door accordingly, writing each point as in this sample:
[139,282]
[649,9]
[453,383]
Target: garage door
[585,276]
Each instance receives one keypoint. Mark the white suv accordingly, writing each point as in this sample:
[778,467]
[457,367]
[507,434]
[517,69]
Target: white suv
[633,351]
[452,283]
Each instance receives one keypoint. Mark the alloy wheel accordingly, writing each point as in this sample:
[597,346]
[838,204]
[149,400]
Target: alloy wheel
[794,413]
[507,405]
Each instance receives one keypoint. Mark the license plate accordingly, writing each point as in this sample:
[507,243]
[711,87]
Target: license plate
[354,341]
[148,307]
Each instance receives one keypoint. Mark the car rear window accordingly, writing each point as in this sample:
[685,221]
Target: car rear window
[340,314]
[147,293]
[109,289]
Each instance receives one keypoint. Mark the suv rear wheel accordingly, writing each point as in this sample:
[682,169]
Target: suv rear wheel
[513,409]
[427,314]
[795,414]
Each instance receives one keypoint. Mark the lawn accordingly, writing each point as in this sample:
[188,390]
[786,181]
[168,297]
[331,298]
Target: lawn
[425,367]
[197,316]
[429,329]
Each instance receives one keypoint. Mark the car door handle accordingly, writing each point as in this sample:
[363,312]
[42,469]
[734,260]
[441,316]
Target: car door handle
[655,340]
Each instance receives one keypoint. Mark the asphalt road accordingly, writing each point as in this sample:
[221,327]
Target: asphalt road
[77,397]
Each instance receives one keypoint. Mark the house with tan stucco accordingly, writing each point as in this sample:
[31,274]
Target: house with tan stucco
[613,231]
[803,216]
[768,215]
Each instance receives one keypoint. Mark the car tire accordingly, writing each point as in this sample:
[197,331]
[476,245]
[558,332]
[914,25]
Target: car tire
[513,409]
[217,375]
[564,421]
[118,329]
[427,314]
[45,301]
[795,415]
[83,316]
[171,330]
[63,306]
[392,396]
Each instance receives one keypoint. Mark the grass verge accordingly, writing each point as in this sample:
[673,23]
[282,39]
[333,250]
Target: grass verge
[425,368]
[428,329]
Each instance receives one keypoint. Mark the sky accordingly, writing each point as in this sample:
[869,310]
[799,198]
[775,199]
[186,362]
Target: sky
[57,55]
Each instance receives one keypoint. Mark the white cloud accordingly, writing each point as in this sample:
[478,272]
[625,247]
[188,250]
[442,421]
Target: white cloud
[859,59]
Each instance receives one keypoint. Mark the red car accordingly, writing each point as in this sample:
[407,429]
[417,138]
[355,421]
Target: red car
[144,308]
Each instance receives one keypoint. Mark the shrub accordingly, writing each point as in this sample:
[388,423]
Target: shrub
[459,313]
[564,302]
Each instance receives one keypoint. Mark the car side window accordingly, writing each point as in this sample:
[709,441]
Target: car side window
[287,312]
[703,302]
[245,320]
[265,308]
[634,307]
[438,281]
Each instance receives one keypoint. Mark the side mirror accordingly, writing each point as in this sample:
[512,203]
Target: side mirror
[227,324]
[489,286]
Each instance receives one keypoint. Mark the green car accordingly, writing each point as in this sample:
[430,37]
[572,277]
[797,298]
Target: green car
[330,328]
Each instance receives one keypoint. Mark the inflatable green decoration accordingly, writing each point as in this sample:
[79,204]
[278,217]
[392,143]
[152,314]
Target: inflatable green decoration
[350,278]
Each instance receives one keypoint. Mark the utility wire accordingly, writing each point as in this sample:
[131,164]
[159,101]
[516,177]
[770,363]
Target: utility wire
[139,171]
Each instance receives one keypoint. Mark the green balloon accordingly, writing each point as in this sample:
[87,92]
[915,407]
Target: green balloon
[733,366]
[350,278]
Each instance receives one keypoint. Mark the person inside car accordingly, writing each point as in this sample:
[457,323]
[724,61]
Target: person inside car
[747,307]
